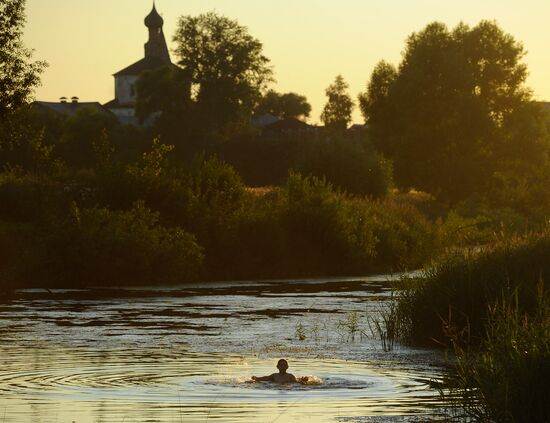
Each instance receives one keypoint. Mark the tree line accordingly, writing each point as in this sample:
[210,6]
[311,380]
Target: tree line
[453,140]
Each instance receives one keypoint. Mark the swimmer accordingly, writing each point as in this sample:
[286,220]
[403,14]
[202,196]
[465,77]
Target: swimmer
[282,376]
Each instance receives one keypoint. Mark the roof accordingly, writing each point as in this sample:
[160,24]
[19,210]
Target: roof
[358,127]
[264,120]
[114,104]
[70,108]
[288,124]
[153,19]
[145,64]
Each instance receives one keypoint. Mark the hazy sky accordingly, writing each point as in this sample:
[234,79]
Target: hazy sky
[309,42]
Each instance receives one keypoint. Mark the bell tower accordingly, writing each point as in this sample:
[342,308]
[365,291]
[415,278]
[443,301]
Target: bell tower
[156,46]
[156,56]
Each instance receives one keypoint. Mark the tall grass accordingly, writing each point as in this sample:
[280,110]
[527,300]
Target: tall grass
[506,379]
[453,295]
[386,326]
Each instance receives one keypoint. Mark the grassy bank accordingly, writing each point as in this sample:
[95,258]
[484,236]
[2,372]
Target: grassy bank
[454,294]
[492,307]
[506,378]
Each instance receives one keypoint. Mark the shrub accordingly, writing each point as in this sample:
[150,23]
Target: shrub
[101,247]
[350,164]
[27,197]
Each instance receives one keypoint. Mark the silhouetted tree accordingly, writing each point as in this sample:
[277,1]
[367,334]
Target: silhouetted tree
[446,116]
[18,75]
[337,112]
[165,96]
[374,103]
[85,138]
[284,105]
[225,64]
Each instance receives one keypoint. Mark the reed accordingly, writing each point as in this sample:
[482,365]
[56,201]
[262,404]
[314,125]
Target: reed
[454,294]
[506,378]
[386,325]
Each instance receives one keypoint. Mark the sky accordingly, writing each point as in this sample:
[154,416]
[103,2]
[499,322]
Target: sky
[309,42]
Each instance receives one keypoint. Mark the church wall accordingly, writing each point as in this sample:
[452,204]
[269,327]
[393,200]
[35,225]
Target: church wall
[124,112]
[125,90]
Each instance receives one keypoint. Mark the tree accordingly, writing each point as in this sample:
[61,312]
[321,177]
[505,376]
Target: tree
[374,104]
[18,75]
[225,64]
[288,105]
[86,137]
[337,112]
[445,115]
[165,94]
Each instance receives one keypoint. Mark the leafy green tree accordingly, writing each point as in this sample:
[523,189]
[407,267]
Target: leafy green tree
[288,105]
[446,116]
[18,75]
[337,112]
[225,64]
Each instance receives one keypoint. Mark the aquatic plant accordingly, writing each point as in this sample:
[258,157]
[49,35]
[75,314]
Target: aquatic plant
[300,331]
[506,378]
[386,324]
[349,327]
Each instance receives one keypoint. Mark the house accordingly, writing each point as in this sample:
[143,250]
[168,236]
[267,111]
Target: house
[67,108]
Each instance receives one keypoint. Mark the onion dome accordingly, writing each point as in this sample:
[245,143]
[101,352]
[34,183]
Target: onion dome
[153,19]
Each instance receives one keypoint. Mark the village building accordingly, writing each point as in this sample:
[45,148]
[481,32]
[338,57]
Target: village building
[68,108]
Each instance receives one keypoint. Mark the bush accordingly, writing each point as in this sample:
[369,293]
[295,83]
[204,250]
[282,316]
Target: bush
[27,197]
[350,164]
[308,228]
[406,239]
[101,247]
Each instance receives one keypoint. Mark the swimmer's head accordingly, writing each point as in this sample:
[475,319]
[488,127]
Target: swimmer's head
[282,365]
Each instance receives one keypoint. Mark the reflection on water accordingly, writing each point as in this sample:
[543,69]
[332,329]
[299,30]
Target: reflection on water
[186,354]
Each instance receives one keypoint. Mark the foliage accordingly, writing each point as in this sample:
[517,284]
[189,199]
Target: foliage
[101,247]
[28,198]
[18,75]
[165,92]
[454,294]
[506,379]
[225,64]
[284,105]
[456,111]
[350,164]
[337,111]
[85,140]
[374,103]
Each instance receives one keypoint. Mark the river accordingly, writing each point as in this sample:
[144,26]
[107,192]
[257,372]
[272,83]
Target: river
[186,354]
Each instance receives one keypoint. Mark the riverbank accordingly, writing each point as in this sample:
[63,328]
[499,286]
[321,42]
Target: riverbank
[492,308]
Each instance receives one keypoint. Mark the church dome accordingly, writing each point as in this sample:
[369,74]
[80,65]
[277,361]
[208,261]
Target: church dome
[153,19]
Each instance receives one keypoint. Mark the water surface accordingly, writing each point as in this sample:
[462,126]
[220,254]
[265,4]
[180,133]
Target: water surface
[186,354]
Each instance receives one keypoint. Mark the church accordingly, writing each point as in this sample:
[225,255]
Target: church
[123,105]
[156,55]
